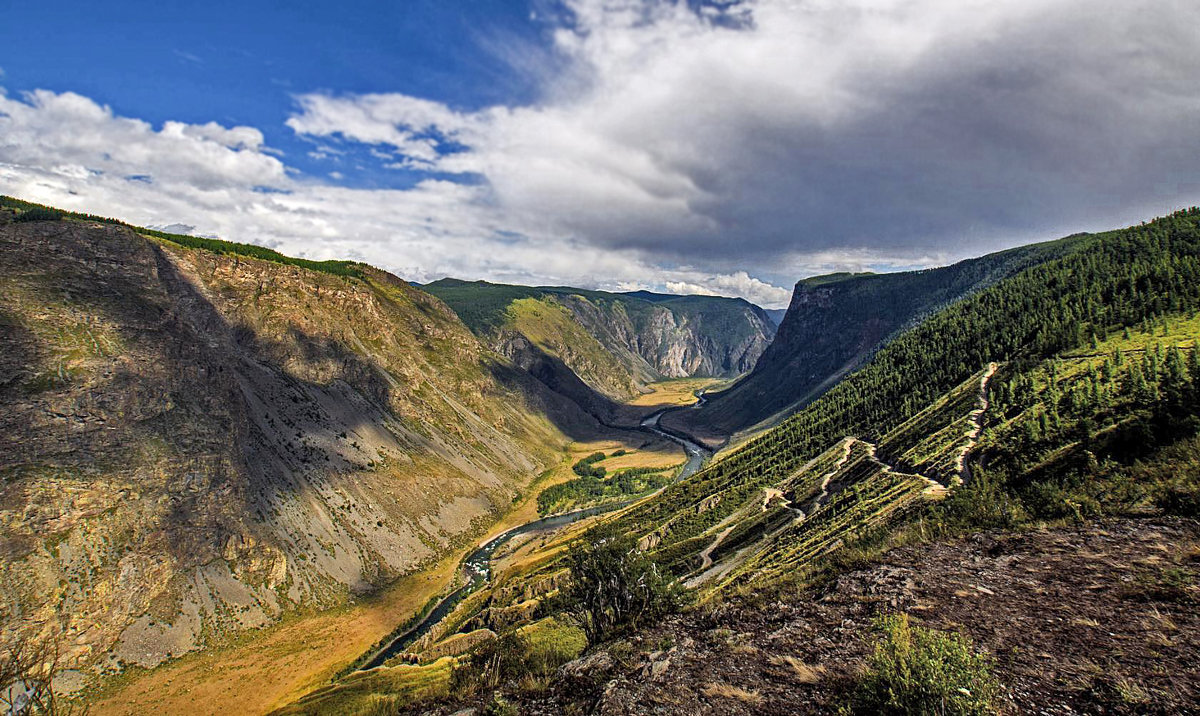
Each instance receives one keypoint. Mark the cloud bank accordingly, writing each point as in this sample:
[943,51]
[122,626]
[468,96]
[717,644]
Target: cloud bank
[721,147]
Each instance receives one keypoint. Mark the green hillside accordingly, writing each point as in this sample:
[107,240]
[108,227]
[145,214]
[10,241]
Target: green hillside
[836,322]
[1104,285]
[616,343]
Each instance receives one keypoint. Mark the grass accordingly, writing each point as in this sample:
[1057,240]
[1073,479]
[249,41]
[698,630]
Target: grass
[918,671]
[379,691]
[726,691]
[681,391]
[550,643]
[798,671]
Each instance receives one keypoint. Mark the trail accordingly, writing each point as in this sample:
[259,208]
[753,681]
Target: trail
[709,571]
[706,555]
[823,496]
[933,488]
[975,420]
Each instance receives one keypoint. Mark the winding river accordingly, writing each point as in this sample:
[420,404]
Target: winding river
[476,567]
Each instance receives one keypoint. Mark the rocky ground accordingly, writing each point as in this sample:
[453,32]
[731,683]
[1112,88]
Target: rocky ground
[1099,619]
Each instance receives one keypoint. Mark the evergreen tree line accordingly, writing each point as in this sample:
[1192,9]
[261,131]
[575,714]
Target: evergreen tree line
[1112,281]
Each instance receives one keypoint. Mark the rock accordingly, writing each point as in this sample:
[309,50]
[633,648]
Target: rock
[586,670]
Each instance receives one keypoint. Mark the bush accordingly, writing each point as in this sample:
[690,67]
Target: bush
[982,503]
[37,213]
[615,586]
[924,671]
[535,650]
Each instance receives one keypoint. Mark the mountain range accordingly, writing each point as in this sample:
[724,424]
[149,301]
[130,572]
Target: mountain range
[205,443]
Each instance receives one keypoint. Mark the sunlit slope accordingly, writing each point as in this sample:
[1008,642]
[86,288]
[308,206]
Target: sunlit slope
[916,406]
[195,439]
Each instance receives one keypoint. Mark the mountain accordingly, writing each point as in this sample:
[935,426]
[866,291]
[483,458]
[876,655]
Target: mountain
[776,315]
[199,437]
[1055,355]
[615,343]
[834,324]
[1039,436]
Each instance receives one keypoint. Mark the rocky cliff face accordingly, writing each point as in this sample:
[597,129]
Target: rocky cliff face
[615,343]
[688,337]
[836,322]
[194,443]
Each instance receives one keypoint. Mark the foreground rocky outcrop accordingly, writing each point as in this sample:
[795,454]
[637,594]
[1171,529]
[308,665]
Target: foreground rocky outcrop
[1093,619]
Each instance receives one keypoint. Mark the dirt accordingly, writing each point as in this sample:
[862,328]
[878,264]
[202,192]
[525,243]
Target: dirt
[1098,619]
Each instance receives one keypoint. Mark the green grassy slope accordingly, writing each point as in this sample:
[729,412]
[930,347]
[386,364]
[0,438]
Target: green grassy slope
[650,336]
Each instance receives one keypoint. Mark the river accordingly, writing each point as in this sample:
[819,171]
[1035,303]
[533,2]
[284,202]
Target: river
[476,567]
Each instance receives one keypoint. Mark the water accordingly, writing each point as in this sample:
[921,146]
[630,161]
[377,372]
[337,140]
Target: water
[477,566]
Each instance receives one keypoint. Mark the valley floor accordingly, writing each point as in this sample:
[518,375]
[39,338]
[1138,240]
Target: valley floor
[275,666]
[1094,619]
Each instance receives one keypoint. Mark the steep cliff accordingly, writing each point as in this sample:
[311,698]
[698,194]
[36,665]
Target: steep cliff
[615,343]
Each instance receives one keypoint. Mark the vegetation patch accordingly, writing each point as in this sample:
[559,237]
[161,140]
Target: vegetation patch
[915,670]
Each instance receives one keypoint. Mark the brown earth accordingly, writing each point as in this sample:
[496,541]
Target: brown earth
[1099,619]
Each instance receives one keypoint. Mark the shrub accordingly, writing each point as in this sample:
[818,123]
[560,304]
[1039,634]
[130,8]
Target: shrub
[924,671]
[983,503]
[548,644]
[615,586]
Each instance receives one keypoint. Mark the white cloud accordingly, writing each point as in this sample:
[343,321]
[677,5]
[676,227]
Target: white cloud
[68,151]
[730,149]
[750,131]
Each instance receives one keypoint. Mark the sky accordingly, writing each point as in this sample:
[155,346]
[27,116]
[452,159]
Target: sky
[726,147]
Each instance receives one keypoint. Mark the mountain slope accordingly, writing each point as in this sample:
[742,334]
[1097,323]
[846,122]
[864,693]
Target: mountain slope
[1141,280]
[1069,389]
[194,441]
[835,323]
[616,343]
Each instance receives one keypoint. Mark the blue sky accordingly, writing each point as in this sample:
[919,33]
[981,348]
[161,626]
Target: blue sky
[240,63]
[710,146]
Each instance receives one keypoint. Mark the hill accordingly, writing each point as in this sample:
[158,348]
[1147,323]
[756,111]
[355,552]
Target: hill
[835,323]
[198,437]
[1063,396]
[615,343]
[1119,290]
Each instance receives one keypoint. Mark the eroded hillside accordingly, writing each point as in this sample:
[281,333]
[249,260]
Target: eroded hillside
[194,443]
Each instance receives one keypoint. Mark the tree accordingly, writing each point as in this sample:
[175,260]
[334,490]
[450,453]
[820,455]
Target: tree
[27,671]
[38,213]
[615,586]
